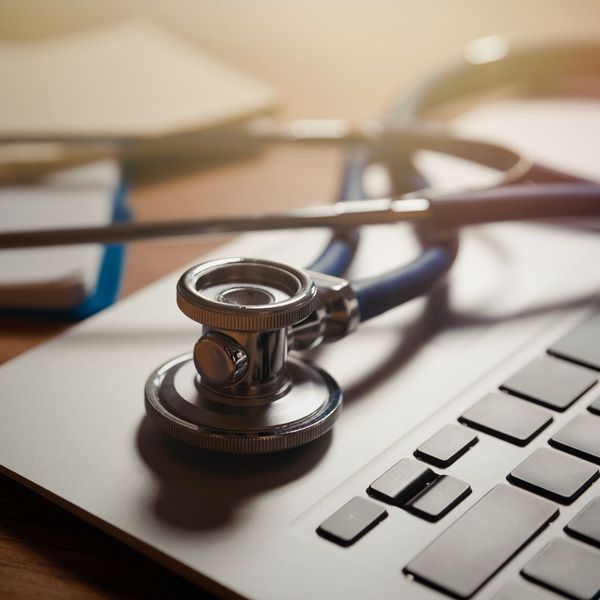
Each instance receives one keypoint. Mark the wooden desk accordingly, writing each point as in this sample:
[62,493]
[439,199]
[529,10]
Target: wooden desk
[343,59]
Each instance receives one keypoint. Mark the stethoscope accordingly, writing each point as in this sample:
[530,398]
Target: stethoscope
[245,387]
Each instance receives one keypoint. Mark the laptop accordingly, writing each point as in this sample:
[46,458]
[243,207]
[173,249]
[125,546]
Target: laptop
[465,460]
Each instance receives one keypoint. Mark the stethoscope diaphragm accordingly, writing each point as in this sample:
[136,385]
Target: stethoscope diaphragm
[240,391]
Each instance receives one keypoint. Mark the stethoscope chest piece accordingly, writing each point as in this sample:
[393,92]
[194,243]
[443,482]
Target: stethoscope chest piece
[240,391]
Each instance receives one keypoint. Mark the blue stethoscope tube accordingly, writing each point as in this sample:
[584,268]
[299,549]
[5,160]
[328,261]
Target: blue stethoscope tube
[379,294]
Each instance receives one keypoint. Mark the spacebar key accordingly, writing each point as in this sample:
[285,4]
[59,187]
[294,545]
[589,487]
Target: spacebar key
[479,543]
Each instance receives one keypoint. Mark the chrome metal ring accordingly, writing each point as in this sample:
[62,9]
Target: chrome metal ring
[185,413]
[241,294]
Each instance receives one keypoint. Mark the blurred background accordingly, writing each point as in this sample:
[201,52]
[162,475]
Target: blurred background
[334,58]
[340,57]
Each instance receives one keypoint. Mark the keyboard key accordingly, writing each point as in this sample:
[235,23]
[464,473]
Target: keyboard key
[586,524]
[439,498]
[462,559]
[554,475]
[521,591]
[567,568]
[508,418]
[580,436]
[582,345]
[595,406]
[446,446]
[352,521]
[403,481]
[551,382]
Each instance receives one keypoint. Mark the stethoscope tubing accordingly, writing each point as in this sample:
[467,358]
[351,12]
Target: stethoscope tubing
[555,194]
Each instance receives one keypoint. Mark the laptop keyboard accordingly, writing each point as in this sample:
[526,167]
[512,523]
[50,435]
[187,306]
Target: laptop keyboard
[475,547]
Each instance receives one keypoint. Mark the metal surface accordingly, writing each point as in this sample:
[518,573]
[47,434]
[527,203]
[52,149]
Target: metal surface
[181,407]
[219,359]
[266,375]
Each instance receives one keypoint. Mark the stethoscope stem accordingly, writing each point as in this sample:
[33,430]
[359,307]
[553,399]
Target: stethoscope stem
[508,203]
[341,215]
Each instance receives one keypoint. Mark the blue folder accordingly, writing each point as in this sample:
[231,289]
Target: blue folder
[110,274]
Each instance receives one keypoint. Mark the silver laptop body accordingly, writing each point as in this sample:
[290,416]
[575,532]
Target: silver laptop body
[73,425]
